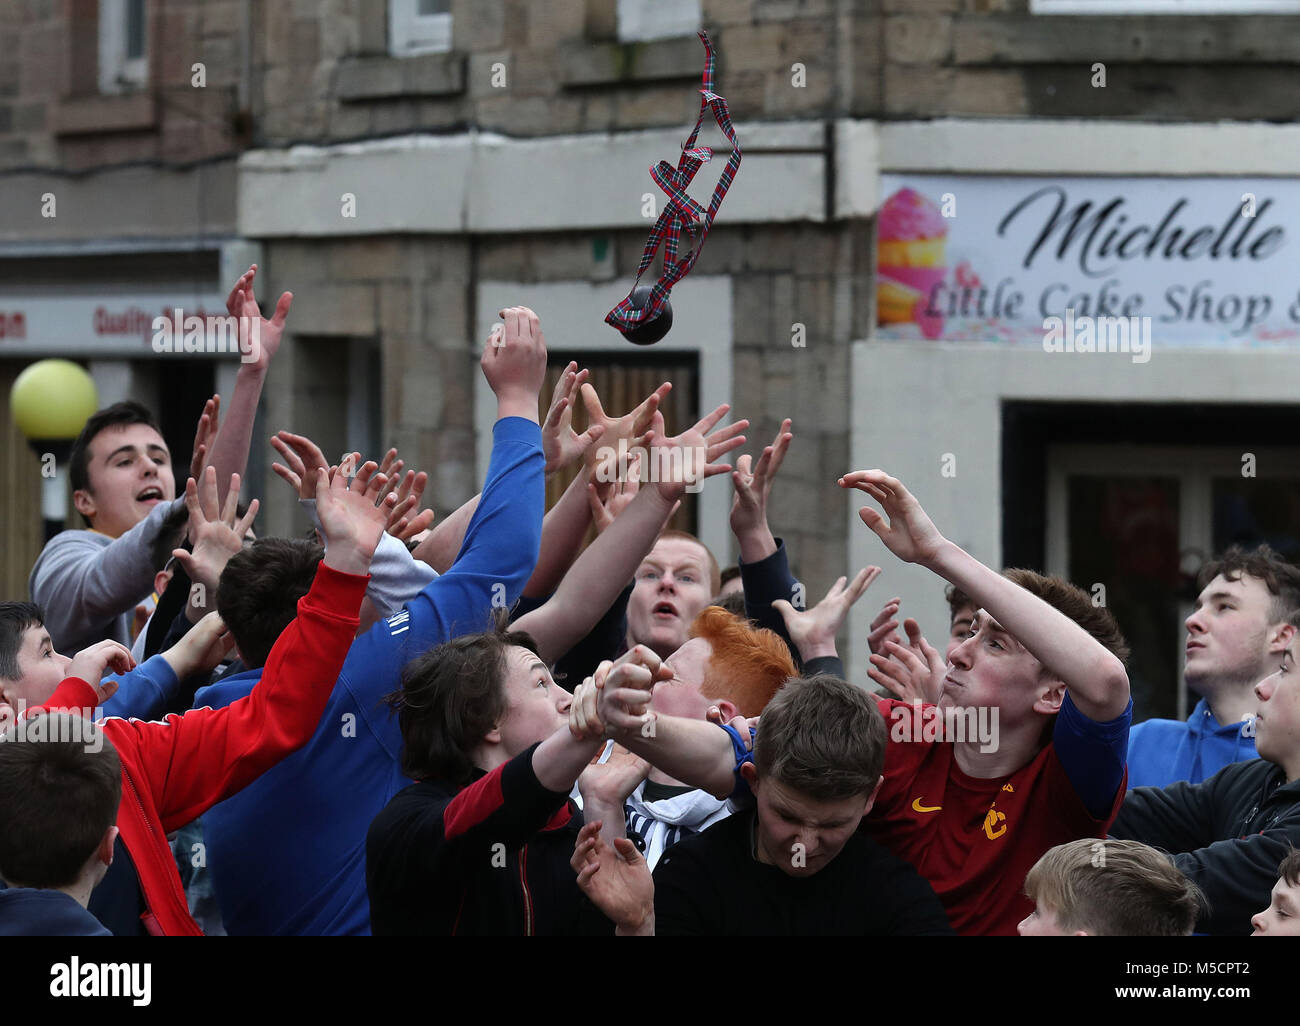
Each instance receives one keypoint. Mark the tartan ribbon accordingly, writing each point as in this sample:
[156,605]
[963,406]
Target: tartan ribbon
[681,212]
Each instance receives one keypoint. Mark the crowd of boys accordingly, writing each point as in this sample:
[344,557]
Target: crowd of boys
[486,726]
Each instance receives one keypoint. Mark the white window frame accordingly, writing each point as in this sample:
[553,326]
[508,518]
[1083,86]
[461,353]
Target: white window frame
[1164,6]
[117,72]
[642,21]
[1194,467]
[411,33]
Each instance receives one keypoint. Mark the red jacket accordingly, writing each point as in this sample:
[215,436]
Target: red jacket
[174,770]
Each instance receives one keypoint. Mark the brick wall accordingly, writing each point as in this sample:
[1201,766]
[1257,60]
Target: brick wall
[320,71]
[51,112]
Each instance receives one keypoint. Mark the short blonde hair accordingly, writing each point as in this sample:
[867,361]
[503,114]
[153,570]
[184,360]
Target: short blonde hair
[1115,889]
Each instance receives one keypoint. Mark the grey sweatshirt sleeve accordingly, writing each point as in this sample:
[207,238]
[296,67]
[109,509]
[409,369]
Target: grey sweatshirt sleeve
[84,581]
[396,576]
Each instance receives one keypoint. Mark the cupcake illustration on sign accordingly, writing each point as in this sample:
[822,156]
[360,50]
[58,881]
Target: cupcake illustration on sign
[911,236]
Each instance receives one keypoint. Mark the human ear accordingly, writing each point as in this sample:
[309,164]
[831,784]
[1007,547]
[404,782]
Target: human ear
[728,710]
[84,503]
[1050,700]
[1281,637]
[875,791]
[104,851]
[750,775]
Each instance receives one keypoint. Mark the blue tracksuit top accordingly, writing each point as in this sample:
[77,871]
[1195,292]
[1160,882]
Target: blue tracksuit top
[288,853]
[1161,752]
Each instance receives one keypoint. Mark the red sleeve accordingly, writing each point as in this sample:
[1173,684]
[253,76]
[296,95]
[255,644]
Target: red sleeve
[72,695]
[194,760]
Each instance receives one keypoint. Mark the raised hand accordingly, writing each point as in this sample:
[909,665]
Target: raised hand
[204,436]
[202,648]
[623,691]
[698,450]
[613,494]
[90,664]
[302,458]
[242,303]
[909,533]
[609,783]
[813,630]
[596,712]
[514,362]
[912,672]
[749,507]
[403,522]
[217,533]
[353,516]
[616,879]
[631,426]
[884,627]
[562,445]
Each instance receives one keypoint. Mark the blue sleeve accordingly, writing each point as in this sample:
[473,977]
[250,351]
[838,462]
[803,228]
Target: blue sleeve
[144,693]
[495,561]
[742,795]
[764,582]
[1093,754]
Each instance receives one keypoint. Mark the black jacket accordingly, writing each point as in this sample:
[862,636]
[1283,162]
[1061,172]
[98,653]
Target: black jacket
[712,884]
[490,859]
[1228,834]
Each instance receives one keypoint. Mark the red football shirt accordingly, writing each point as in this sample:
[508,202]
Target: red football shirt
[974,839]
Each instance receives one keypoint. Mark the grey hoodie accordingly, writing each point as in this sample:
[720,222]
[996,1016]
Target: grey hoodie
[89,584]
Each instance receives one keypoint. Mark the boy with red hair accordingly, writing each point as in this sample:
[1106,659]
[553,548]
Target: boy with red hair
[726,665]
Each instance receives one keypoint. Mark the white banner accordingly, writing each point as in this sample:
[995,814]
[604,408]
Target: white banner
[95,325]
[1199,261]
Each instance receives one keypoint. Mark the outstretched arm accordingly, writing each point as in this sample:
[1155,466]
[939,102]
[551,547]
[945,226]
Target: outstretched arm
[194,760]
[604,569]
[1096,679]
[563,529]
[615,703]
[259,339]
[597,578]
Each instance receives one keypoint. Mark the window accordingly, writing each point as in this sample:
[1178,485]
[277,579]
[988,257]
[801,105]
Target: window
[1164,6]
[640,21]
[123,65]
[418,26]
[622,381]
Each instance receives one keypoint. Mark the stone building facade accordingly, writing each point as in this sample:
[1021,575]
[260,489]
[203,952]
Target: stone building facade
[495,151]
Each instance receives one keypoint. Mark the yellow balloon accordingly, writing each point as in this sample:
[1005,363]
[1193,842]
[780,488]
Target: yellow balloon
[53,399]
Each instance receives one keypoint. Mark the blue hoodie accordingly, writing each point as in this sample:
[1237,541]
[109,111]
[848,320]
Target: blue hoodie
[143,693]
[1161,752]
[288,853]
[27,912]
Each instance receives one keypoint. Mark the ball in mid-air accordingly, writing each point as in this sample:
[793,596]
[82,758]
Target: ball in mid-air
[647,333]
